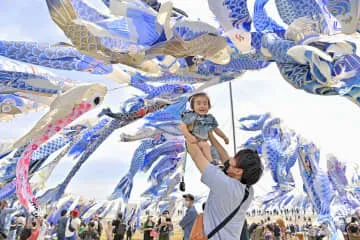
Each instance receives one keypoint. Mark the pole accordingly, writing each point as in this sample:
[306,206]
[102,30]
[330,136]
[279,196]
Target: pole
[182,183]
[232,116]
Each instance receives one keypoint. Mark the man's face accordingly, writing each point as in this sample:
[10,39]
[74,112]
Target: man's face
[188,203]
[232,170]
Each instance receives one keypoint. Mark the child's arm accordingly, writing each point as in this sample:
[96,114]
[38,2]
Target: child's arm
[184,129]
[221,134]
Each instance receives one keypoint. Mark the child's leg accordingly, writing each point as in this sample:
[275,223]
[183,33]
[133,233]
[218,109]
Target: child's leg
[205,148]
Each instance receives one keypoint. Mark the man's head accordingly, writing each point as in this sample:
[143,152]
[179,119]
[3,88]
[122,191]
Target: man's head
[96,217]
[189,200]
[75,214]
[166,213]
[245,166]
[3,204]
[63,212]
[91,224]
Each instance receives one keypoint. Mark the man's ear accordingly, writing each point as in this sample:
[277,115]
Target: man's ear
[238,171]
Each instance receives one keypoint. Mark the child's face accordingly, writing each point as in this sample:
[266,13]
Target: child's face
[201,105]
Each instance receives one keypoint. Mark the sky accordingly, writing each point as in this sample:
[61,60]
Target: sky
[331,122]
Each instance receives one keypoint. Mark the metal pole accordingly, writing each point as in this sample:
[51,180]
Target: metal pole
[232,116]
[182,183]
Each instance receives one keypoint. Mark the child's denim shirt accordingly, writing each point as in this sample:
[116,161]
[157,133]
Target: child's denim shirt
[202,125]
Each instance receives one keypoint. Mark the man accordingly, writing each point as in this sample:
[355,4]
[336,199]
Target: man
[165,226]
[119,227]
[277,232]
[98,225]
[188,220]
[61,226]
[20,224]
[227,187]
[5,219]
[90,232]
[72,226]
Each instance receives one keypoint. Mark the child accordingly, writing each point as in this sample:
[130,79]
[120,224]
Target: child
[198,123]
[268,232]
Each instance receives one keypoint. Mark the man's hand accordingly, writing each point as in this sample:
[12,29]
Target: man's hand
[226,140]
[191,139]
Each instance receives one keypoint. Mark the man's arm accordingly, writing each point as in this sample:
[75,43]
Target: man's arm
[9,210]
[197,156]
[187,219]
[222,152]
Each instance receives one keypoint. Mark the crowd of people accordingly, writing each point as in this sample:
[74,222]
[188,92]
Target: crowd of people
[267,229]
[161,230]
[68,227]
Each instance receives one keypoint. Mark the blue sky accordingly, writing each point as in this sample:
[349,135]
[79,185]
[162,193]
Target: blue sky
[331,122]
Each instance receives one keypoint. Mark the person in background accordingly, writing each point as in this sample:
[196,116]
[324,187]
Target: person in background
[82,227]
[252,227]
[282,224]
[108,229]
[90,233]
[258,233]
[35,230]
[188,220]
[129,230]
[13,227]
[20,224]
[27,230]
[165,226]
[149,226]
[277,232]
[61,225]
[44,228]
[98,226]
[268,232]
[119,227]
[5,219]
[353,229]
[72,226]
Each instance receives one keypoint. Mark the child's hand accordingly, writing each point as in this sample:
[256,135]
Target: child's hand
[226,140]
[191,139]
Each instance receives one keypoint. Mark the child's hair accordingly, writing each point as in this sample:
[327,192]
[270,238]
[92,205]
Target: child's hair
[193,97]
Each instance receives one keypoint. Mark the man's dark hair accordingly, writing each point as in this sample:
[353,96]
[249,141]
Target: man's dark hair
[91,224]
[63,212]
[250,162]
[354,219]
